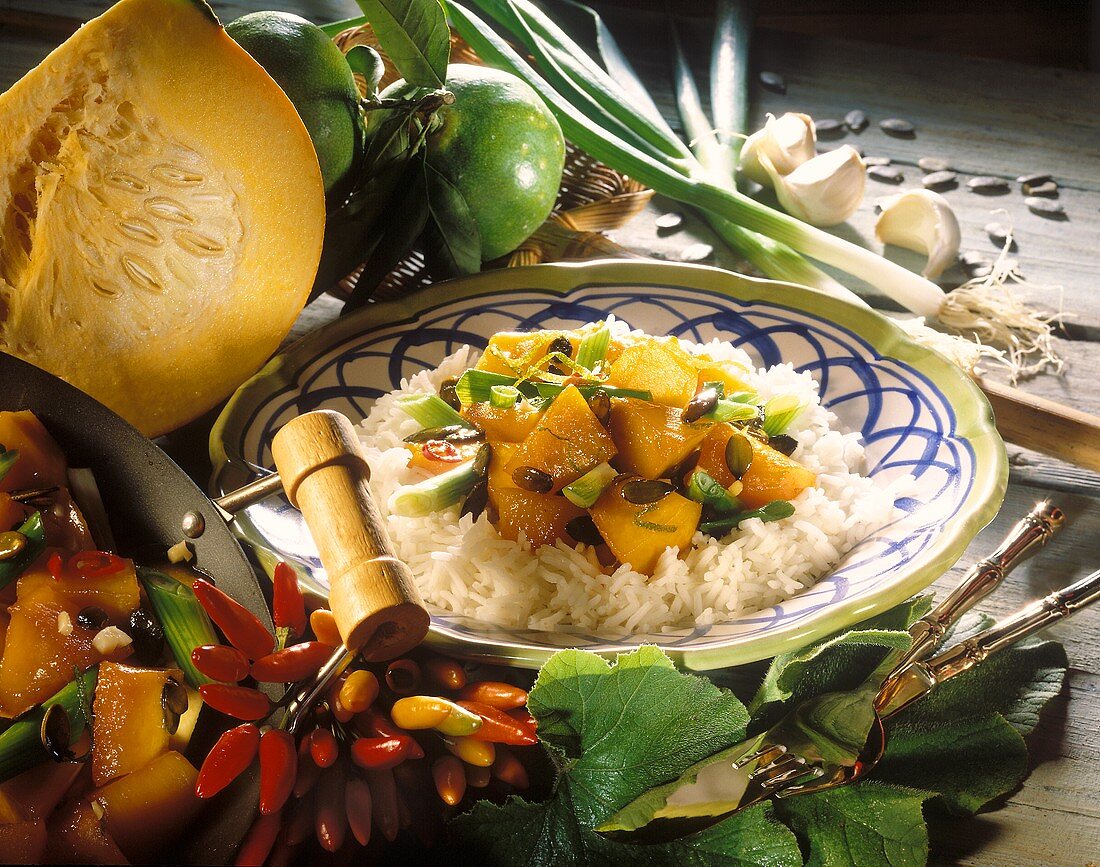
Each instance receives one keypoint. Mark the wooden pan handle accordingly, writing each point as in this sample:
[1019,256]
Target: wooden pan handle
[373,596]
[1045,426]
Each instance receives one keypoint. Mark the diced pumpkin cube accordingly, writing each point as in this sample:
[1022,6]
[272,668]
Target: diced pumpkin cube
[39,790]
[41,463]
[728,375]
[510,352]
[150,806]
[771,474]
[117,593]
[639,534]
[23,842]
[566,443]
[437,456]
[78,836]
[660,367]
[542,517]
[511,425]
[651,438]
[128,720]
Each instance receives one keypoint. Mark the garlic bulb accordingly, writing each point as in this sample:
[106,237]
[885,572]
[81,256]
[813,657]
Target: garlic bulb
[825,190]
[922,221]
[785,142]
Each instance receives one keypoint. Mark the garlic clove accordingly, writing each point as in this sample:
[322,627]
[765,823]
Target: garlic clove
[922,221]
[825,190]
[785,142]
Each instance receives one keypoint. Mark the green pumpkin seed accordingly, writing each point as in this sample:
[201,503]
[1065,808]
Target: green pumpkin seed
[738,455]
[784,443]
[703,402]
[533,479]
[448,394]
[452,433]
[643,492]
[11,543]
[173,705]
[480,466]
[583,529]
[54,733]
[600,404]
[476,500]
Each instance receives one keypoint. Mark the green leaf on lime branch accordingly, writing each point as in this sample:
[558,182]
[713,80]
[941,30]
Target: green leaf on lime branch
[452,239]
[415,35]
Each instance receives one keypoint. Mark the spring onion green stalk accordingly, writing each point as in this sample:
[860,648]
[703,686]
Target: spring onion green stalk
[8,457]
[731,410]
[185,623]
[914,292]
[20,745]
[779,412]
[776,510]
[429,410]
[35,535]
[719,388]
[587,489]
[503,396]
[85,493]
[435,494]
[476,386]
[705,489]
[593,346]
[729,73]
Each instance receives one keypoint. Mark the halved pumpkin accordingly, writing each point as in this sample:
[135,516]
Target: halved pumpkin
[161,212]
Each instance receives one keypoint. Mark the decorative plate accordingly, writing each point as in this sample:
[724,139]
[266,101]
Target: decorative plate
[917,414]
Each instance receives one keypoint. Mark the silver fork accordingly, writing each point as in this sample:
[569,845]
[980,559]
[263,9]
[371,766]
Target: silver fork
[799,755]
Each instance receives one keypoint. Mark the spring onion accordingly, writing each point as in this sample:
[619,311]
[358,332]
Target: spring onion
[8,457]
[85,493]
[429,410]
[20,744]
[503,396]
[779,412]
[435,494]
[593,346]
[705,489]
[717,386]
[476,386]
[587,489]
[731,410]
[185,623]
[776,510]
[35,535]
[550,389]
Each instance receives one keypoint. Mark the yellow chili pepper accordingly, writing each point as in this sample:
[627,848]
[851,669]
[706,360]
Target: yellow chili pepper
[472,752]
[432,712]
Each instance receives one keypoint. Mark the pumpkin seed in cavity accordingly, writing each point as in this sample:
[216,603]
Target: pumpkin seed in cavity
[987,185]
[1044,207]
[11,543]
[1034,179]
[532,479]
[1049,188]
[933,164]
[939,179]
[476,500]
[699,406]
[898,127]
[448,394]
[886,174]
[173,704]
[669,222]
[856,120]
[600,404]
[54,733]
[480,466]
[452,433]
[773,81]
[583,529]
[642,492]
[784,444]
[738,455]
[91,618]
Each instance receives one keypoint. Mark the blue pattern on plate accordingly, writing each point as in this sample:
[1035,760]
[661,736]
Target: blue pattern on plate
[907,423]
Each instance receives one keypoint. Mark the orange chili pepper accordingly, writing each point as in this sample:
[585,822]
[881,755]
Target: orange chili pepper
[243,629]
[449,779]
[288,607]
[444,673]
[375,754]
[324,627]
[278,769]
[508,768]
[498,727]
[502,696]
[477,777]
[241,702]
[231,755]
[358,691]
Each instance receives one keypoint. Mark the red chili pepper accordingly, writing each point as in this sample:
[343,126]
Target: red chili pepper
[385,727]
[220,662]
[377,754]
[259,841]
[507,767]
[502,696]
[300,824]
[357,803]
[95,564]
[55,566]
[383,792]
[288,605]
[323,747]
[331,815]
[444,673]
[308,772]
[497,727]
[237,701]
[278,769]
[523,715]
[291,663]
[241,626]
[227,760]
[441,450]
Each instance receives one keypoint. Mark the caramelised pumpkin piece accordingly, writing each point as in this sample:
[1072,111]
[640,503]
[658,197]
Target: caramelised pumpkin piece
[107,582]
[22,833]
[639,533]
[541,517]
[128,729]
[661,367]
[771,475]
[651,438]
[506,424]
[77,836]
[732,377]
[40,463]
[511,352]
[566,443]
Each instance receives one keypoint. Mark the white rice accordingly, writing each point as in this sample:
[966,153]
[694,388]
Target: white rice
[466,567]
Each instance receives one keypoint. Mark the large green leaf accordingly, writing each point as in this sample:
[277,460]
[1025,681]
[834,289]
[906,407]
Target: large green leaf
[452,239]
[414,34]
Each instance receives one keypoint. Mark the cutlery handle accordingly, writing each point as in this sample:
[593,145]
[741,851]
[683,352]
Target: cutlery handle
[373,595]
[1029,534]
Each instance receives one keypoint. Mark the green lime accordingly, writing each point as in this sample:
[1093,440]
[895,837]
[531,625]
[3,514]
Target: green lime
[502,148]
[313,73]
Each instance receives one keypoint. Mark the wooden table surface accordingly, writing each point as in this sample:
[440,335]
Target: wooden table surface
[990,118]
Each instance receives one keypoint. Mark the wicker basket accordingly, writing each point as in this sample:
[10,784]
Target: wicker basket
[593,198]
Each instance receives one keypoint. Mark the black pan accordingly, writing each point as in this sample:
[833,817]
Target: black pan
[146,496]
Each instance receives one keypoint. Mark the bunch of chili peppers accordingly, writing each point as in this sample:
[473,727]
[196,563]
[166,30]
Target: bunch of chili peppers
[383,738]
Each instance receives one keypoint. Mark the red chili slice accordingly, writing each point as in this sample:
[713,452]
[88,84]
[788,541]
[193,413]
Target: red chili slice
[441,450]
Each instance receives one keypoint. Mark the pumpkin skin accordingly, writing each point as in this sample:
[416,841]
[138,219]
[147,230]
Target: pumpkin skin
[161,213]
